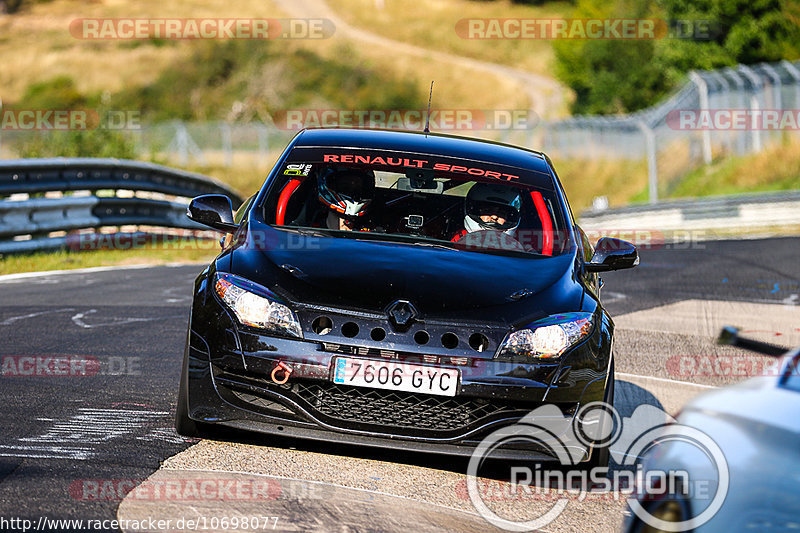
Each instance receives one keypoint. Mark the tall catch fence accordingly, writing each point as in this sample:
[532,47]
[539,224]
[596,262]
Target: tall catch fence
[732,111]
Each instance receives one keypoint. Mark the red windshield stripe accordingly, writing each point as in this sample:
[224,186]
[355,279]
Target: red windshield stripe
[547,224]
[283,199]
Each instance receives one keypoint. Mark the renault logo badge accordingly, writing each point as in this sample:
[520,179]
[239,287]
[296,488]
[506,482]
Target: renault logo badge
[402,314]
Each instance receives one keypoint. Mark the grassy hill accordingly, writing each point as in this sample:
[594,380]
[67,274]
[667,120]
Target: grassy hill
[37,47]
[433,25]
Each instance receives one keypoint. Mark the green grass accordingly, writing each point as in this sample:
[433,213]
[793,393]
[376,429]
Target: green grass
[179,252]
[776,168]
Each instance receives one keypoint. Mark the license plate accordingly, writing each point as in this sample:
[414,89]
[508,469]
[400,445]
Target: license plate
[395,376]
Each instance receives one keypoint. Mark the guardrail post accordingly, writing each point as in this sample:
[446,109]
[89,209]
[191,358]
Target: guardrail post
[777,97]
[737,79]
[754,105]
[652,162]
[794,72]
[726,86]
[776,85]
[702,88]
[182,143]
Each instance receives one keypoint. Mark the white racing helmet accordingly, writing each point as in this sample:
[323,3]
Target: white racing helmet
[490,199]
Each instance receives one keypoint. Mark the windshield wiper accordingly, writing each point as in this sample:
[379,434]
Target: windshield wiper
[434,245]
[308,232]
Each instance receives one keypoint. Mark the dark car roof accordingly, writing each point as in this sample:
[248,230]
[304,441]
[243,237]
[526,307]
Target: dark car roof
[431,143]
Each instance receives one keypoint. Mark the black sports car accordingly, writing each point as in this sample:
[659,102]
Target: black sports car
[398,289]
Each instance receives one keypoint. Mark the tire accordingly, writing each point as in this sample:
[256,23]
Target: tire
[600,456]
[183,424]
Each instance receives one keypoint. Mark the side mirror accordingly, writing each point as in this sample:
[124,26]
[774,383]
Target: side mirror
[213,210]
[730,336]
[613,254]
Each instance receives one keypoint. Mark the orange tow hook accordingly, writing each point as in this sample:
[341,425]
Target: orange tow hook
[287,371]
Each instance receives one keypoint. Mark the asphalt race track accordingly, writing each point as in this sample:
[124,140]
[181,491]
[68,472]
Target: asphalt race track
[105,349]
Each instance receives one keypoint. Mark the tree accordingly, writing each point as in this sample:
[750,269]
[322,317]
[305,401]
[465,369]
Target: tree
[612,76]
[10,6]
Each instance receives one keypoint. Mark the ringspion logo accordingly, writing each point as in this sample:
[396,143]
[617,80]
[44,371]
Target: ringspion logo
[567,439]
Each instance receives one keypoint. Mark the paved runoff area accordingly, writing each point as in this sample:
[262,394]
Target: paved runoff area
[77,441]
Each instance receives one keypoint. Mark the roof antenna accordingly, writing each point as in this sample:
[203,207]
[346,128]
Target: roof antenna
[428,117]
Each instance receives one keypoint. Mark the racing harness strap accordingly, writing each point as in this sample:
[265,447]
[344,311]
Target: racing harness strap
[547,224]
[457,236]
[283,199]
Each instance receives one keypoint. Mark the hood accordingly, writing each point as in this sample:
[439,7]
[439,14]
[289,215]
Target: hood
[370,275]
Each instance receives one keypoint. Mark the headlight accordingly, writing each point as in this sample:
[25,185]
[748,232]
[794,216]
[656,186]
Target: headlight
[255,306]
[549,337]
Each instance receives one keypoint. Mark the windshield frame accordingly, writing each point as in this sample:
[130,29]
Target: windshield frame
[549,183]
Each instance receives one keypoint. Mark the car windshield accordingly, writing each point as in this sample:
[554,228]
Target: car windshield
[418,199]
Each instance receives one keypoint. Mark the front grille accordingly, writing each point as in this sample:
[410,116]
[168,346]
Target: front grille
[395,408]
[375,410]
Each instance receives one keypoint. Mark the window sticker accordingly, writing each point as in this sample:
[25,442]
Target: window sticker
[297,170]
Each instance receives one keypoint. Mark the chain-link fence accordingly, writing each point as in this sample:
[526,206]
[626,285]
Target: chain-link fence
[737,110]
[211,143]
[730,111]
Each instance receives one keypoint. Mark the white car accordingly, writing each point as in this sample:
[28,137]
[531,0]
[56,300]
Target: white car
[755,425]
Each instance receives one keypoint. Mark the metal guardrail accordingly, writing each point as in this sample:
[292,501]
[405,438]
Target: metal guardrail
[726,214]
[35,219]
[72,174]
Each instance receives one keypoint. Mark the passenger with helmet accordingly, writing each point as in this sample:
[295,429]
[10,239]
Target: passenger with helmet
[492,207]
[347,193]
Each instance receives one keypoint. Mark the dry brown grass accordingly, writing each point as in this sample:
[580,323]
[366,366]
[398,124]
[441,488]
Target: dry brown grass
[432,24]
[775,168]
[619,181]
[775,164]
[36,46]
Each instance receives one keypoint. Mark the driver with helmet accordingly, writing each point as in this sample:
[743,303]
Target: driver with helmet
[489,206]
[347,193]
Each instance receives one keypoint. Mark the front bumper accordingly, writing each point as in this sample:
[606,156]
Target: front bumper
[231,381]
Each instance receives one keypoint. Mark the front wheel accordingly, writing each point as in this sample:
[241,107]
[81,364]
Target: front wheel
[601,455]
[183,424]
